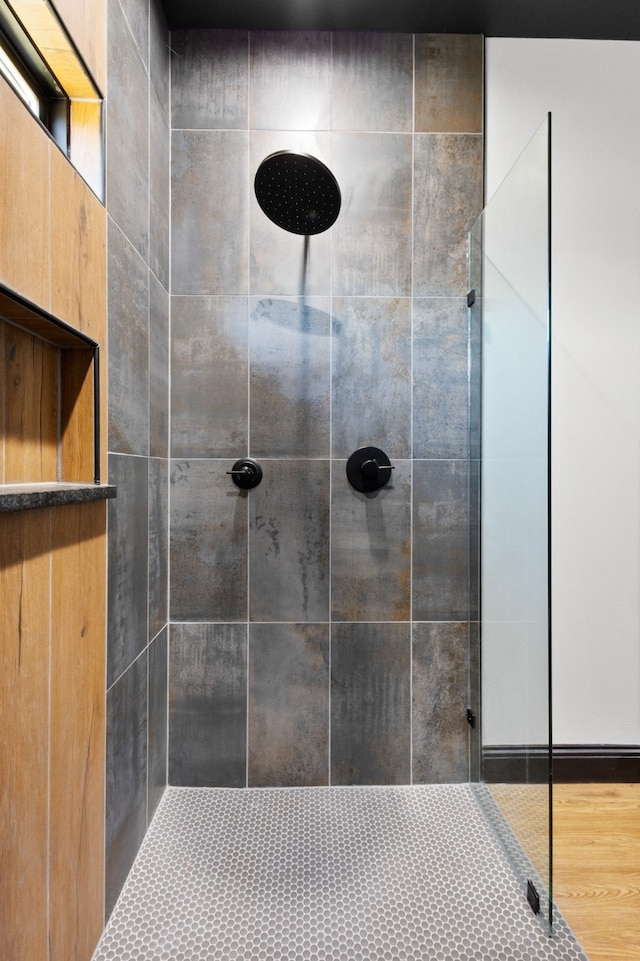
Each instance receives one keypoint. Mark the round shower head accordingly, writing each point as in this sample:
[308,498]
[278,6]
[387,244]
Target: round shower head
[297,192]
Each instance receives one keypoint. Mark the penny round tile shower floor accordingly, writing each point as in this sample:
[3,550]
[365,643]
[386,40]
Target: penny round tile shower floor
[325,874]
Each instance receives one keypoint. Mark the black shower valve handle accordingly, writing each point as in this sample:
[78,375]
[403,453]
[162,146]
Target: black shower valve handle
[368,470]
[371,467]
[246,473]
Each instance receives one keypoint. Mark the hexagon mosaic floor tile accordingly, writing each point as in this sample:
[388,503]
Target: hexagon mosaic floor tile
[325,874]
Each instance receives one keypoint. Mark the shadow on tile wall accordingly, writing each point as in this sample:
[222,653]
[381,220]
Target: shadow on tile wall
[319,635]
[138,184]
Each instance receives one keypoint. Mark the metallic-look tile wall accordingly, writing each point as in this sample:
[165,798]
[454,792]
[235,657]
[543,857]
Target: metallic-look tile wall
[319,635]
[138,185]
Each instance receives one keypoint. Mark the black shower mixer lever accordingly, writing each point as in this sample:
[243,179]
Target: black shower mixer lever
[371,469]
[246,473]
[368,469]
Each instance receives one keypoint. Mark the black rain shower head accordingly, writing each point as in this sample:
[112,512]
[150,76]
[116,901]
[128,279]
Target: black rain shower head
[297,192]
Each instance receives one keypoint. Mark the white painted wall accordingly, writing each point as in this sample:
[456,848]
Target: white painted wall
[514,453]
[592,89]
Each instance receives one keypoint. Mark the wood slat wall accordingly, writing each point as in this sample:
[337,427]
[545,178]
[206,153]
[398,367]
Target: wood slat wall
[24,200]
[52,561]
[86,22]
[30,388]
[52,575]
[77,743]
[76,416]
[25,566]
[78,275]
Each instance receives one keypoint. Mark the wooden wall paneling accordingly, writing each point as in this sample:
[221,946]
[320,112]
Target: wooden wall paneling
[31,408]
[86,142]
[51,39]
[78,251]
[76,415]
[76,880]
[24,703]
[38,322]
[2,383]
[79,264]
[85,21]
[24,195]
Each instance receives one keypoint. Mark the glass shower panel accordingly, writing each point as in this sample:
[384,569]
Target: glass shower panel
[510,272]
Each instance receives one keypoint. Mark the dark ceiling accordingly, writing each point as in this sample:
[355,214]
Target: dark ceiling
[584,19]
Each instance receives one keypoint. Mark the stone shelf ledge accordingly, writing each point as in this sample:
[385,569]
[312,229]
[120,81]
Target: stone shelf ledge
[27,497]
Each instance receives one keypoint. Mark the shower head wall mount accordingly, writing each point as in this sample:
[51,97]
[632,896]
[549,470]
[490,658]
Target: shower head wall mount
[297,192]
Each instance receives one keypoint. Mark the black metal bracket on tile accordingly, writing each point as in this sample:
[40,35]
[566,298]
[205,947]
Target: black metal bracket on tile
[533,897]
[471,298]
[368,469]
[471,718]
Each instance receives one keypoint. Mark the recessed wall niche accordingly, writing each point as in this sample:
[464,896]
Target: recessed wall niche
[49,397]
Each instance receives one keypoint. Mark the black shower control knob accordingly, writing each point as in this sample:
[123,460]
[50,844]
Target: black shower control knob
[368,469]
[246,473]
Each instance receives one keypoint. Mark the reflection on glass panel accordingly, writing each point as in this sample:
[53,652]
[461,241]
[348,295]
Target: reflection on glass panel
[509,266]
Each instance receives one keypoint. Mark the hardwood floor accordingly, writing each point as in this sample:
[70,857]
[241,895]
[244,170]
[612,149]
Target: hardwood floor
[597,866]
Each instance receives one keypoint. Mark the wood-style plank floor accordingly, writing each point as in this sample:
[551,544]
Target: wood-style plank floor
[597,866]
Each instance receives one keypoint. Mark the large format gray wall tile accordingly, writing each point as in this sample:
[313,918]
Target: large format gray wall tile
[128,322]
[159,143]
[372,235]
[289,542]
[370,704]
[160,56]
[371,548]
[137,198]
[137,15]
[288,704]
[126,780]
[209,245]
[440,541]
[440,700]
[158,544]
[159,306]
[209,361]
[372,81]
[127,157]
[290,377]
[290,80]
[159,191]
[448,83]
[440,378]
[371,375]
[408,198]
[209,79]
[447,202]
[128,523]
[157,733]
[208,543]
[208,705]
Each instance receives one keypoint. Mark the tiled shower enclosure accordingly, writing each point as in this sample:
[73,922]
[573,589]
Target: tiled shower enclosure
[318,635]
